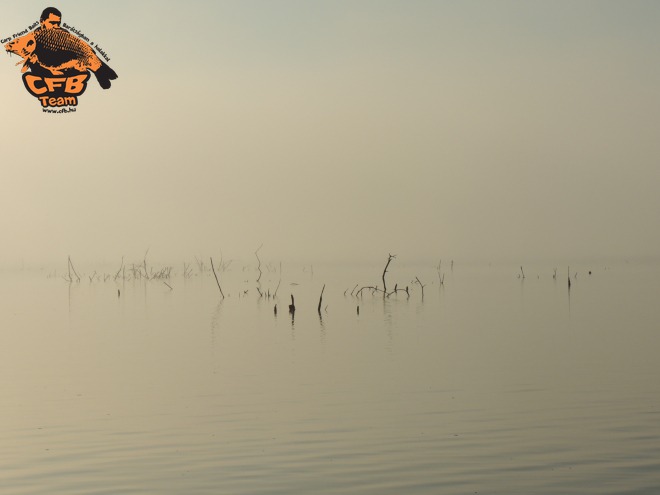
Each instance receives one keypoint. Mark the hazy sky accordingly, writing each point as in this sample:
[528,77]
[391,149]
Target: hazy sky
[339,129]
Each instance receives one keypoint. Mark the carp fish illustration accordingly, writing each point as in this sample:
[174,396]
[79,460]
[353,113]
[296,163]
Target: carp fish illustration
[58,51]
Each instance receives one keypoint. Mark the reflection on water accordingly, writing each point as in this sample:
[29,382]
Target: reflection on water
[490,384]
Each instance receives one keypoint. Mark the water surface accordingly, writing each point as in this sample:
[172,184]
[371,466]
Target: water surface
[490,383]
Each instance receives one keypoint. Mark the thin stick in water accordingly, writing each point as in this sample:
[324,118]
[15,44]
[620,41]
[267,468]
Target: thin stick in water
[389,260]
[74,269]
[216,278]
[321,299]
[256,253]
[421,285]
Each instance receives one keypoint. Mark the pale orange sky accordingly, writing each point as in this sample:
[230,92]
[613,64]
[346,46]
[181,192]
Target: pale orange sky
[333,130]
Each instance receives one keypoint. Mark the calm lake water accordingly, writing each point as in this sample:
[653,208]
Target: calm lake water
[490,384]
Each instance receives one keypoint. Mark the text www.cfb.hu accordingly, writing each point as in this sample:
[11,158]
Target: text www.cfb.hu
[61,110]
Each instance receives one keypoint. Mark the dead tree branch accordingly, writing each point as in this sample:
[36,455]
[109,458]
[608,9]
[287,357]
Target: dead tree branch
[71,267]
[216,278]
[321,299]
[421,285]
[389,260]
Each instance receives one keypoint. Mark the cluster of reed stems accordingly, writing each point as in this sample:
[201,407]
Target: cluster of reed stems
[143,271]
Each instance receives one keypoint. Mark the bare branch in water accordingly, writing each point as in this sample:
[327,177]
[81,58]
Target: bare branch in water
[146,272]
[216,279]
[200,265]
[256,253]
[279,282]
[441,276]
[71,267]
[321,299]
[120,268]
[421,285]
[389,260]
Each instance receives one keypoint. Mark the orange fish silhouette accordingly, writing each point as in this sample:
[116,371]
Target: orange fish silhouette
[57,51]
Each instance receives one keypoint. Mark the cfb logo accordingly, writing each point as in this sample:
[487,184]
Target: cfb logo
[56,91]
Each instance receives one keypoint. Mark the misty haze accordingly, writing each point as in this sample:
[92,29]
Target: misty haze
[372,247]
